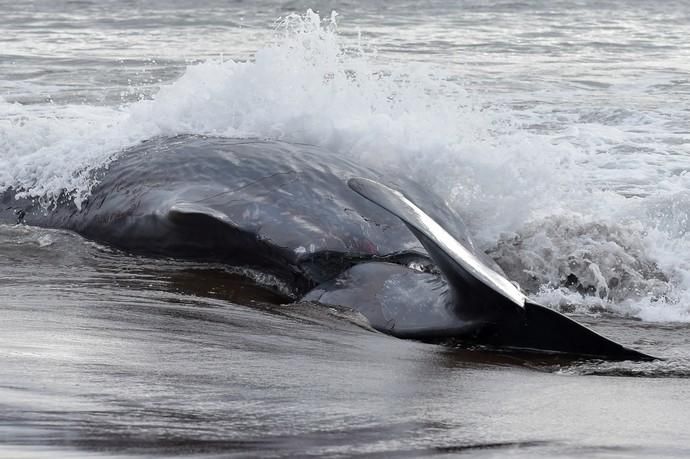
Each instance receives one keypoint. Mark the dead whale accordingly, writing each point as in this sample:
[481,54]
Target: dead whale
[333,231]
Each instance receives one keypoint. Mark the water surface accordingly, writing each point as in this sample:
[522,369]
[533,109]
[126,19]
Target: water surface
[558,129]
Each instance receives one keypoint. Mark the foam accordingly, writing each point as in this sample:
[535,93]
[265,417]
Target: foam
[45,150]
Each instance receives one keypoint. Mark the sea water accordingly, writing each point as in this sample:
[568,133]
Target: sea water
[558,130]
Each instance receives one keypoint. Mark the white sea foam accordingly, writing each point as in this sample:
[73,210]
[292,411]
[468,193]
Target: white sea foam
[47,149]
[591,199]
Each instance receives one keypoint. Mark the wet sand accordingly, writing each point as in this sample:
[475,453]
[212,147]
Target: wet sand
[103,353]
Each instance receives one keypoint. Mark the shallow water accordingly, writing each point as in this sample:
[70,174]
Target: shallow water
[112,354]
[558,129]
[119,355]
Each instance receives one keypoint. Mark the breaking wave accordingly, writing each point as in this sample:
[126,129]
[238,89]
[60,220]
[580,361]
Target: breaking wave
[586,211]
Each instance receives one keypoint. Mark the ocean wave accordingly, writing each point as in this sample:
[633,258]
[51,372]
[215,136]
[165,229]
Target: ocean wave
[587,208]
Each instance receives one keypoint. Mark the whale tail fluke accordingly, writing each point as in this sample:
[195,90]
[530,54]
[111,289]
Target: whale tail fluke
[481,294]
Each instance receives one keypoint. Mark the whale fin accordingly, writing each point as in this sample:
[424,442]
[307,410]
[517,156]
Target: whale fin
[182,210]
[529,327]
[459,264]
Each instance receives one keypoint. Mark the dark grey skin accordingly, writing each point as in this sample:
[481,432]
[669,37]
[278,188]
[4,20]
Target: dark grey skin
[322,225]
[281,208]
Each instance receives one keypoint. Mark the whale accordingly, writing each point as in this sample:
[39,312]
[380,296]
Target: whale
[326,229]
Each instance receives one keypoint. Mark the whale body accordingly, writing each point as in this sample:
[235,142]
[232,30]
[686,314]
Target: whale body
[330,230]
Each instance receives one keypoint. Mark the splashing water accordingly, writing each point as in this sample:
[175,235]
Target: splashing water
[587,207]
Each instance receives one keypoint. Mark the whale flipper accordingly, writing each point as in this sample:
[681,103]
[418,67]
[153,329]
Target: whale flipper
[479,292]
[461,267]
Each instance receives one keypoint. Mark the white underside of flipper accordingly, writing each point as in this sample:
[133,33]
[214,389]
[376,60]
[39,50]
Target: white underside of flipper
[398,204]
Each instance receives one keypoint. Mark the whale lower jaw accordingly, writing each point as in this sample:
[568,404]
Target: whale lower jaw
[544,330]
